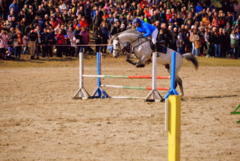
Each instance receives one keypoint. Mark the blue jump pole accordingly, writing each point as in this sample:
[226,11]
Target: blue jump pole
[99,91]
[98,73]
[172,90]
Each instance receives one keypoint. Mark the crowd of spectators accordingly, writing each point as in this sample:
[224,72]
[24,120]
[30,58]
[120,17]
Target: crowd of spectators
[40,27]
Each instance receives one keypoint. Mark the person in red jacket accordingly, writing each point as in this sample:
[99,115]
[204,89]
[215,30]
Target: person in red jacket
[86,39]
[83,23]
[143,4]
[60,43]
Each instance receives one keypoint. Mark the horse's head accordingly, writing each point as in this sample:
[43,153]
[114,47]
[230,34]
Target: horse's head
[116,46]
[119,40]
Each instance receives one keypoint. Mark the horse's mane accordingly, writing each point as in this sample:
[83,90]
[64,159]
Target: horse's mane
[124,32]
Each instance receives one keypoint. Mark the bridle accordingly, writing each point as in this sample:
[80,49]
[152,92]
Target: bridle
[119,42]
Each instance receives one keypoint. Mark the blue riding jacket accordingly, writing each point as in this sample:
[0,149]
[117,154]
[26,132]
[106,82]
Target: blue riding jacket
[146,28]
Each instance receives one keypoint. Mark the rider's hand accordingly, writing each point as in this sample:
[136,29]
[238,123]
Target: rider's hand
[140,36]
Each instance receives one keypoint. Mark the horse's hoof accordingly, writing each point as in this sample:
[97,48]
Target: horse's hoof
[140,65]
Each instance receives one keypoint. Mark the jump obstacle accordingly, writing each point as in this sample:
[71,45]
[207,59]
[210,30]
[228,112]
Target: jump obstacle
[100,92]
[172,102]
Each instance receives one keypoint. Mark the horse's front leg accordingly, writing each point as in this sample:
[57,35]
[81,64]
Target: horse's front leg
[129,60]
[141,62]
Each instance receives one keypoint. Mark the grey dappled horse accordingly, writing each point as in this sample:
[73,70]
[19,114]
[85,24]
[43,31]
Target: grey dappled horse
[142,50]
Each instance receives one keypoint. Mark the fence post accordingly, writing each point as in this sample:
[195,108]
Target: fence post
[99,92]
[172,90]
[81,93]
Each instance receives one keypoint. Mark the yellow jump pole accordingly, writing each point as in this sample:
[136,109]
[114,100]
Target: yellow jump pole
[174,127]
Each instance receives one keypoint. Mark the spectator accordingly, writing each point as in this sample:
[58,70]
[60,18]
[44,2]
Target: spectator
[67,48]
[115,28]
[72,39]
[225,43]
[78,37]
[208,40]
[216,43]
[3,43]
[206,20]
[179,44]
[97,35]
[44,42]
[60,43]
[105,36]
[166,34]
[198,7]
[215,20]
[174,38]
[96,21]
[25,43]
[12,19]
[201,34]
[4,4]
[197,43]
[15,7]
[32,43]
[83,23]
[51,40]
[107,23]
[38,45]
[10,41]
[132,8]
[237,55]
[17,43]
[86,39]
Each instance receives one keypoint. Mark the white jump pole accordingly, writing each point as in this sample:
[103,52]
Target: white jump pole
[154,94]
[81,93]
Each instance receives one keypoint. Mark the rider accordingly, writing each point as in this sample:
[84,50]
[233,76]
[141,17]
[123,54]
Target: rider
[148,30]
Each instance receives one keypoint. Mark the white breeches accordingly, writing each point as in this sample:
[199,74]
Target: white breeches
[154,36]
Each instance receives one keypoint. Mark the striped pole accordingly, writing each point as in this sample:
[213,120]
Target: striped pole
[137,88]
[126,97]
[127,77]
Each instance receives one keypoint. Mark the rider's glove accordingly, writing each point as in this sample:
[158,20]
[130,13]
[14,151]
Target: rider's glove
[140,36]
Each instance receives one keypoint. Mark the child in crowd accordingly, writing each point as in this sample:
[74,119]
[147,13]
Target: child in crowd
[68,46]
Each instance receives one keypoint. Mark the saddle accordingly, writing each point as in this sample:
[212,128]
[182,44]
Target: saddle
[160,47]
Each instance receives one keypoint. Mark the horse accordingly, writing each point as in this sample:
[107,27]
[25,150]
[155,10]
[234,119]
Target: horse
[142,50]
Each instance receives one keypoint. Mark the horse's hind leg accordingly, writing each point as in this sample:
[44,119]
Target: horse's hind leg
[178,81]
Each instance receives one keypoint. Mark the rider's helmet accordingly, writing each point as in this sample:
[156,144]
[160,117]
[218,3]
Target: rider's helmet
[136,20]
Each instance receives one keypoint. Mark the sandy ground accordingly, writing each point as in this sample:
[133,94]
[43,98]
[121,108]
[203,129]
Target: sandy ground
[39,120]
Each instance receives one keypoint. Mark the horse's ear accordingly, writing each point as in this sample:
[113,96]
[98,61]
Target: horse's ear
[111,41]
[112,38]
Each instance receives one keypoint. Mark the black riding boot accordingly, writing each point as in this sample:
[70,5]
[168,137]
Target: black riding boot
[155,47]
[152,46]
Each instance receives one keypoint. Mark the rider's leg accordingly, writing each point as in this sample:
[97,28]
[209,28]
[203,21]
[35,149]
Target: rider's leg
[154,39]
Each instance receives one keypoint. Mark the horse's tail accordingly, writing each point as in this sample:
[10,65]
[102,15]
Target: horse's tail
[191,58]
